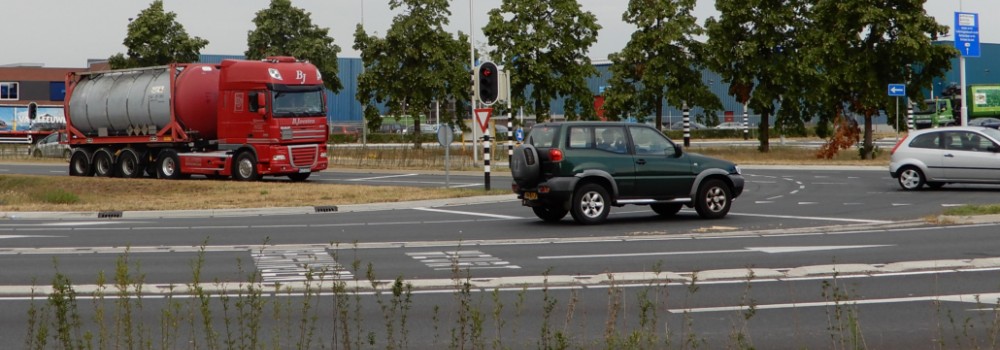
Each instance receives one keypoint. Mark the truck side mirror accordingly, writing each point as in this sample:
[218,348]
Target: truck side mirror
[257,103]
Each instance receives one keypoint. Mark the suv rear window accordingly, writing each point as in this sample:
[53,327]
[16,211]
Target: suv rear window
[543,136]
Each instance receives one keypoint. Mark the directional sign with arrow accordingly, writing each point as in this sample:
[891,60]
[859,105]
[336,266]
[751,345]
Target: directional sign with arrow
[897,90]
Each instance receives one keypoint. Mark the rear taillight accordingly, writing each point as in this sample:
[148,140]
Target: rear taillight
[900,142]
[555,155]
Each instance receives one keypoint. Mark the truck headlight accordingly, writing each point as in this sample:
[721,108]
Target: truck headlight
[278,157]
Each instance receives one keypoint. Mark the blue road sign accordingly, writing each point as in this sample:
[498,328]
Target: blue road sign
[967,33]
[519,134]
[897,90]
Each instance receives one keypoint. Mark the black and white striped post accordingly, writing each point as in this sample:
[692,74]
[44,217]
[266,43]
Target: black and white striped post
[510,135]
[687,125]
[486,159]
[746,122]
[909,115]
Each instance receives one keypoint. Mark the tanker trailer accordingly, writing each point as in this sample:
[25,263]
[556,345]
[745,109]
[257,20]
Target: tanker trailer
[244,119]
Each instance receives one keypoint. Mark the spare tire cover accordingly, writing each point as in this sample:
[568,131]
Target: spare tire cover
[524,166]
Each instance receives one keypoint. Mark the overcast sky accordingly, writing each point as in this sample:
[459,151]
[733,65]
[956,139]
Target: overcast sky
[65,33]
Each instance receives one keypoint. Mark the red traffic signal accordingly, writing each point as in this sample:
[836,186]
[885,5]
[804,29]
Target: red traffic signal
[487,83]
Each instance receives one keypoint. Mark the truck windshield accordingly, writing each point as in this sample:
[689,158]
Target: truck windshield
[931,107]
[298,103]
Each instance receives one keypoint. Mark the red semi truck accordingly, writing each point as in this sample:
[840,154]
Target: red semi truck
[244,119]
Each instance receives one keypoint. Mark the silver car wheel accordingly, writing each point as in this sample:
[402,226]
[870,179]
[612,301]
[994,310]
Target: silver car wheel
[910,179]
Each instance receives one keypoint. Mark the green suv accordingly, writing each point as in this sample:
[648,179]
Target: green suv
[584,168]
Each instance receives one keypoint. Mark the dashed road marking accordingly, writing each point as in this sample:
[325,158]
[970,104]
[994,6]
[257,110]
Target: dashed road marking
[298,265]
[462,259]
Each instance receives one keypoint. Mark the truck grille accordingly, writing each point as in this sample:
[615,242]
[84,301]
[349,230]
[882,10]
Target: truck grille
[303,156]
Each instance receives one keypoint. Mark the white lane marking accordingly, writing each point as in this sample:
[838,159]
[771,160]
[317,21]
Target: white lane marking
[808,203]
[985,298]
[775,197]
[814,218]
[82,223]
[951,205]
[381,177]
[829,183]
[768,250]
[470,213]
[900,204]
[25,236]
[763,202]
[57,171]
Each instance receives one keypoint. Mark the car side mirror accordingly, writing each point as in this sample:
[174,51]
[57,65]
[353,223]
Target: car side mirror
[678,150]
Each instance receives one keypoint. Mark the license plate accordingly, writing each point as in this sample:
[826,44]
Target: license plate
[531,196]
[305,170]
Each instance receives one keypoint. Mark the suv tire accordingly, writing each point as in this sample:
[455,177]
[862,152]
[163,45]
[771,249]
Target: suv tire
[524,166]
[666,209]
[713,199]
[590,204]
[550,213]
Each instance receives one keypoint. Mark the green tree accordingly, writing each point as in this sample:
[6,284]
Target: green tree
[861,46]
[155,38]
[543,45]
[662,61]
[415,64]
[285,30]
[755,47]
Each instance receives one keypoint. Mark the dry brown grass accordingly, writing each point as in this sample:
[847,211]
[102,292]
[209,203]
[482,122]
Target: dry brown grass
[50,193]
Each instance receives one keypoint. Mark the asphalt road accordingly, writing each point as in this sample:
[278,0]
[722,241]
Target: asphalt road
[828,248]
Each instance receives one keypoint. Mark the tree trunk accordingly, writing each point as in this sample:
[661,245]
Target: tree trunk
[868,145]
[764,131]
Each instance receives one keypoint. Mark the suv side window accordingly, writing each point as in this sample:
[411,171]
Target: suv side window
[649,141]
[543,136]
[611,139]
[581,137]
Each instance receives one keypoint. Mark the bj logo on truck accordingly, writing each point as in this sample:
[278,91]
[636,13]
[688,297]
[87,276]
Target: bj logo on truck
[301,77]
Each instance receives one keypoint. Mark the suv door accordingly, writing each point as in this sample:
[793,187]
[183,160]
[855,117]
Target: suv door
[659,172]
[590,148]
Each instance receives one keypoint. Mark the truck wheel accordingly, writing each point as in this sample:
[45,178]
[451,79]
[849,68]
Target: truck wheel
[713,199]
[103,164]
[168,165]
[245,168]
[550,213]
[79,164]
[591,204]
[299,176]
[128,165]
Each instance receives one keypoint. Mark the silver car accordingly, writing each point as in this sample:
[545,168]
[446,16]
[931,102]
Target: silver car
[935,157]
[53,145]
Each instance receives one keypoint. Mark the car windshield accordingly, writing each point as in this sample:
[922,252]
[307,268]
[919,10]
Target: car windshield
[298,103]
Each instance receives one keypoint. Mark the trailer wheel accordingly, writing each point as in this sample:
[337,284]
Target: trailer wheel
[103,163]
[168,165]
[79,164]
[245,168]
[128,165]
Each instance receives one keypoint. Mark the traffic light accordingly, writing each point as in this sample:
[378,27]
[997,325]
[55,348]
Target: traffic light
[488,83]
[32,111]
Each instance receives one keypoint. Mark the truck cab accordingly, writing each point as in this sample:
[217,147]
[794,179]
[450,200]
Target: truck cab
[935,113]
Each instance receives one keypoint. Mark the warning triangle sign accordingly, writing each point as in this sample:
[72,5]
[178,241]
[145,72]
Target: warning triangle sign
[483,118]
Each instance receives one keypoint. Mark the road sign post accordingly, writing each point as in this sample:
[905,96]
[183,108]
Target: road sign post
[483,120]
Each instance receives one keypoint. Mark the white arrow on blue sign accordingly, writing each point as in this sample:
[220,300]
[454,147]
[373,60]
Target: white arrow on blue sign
[897,90]
[519,134]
